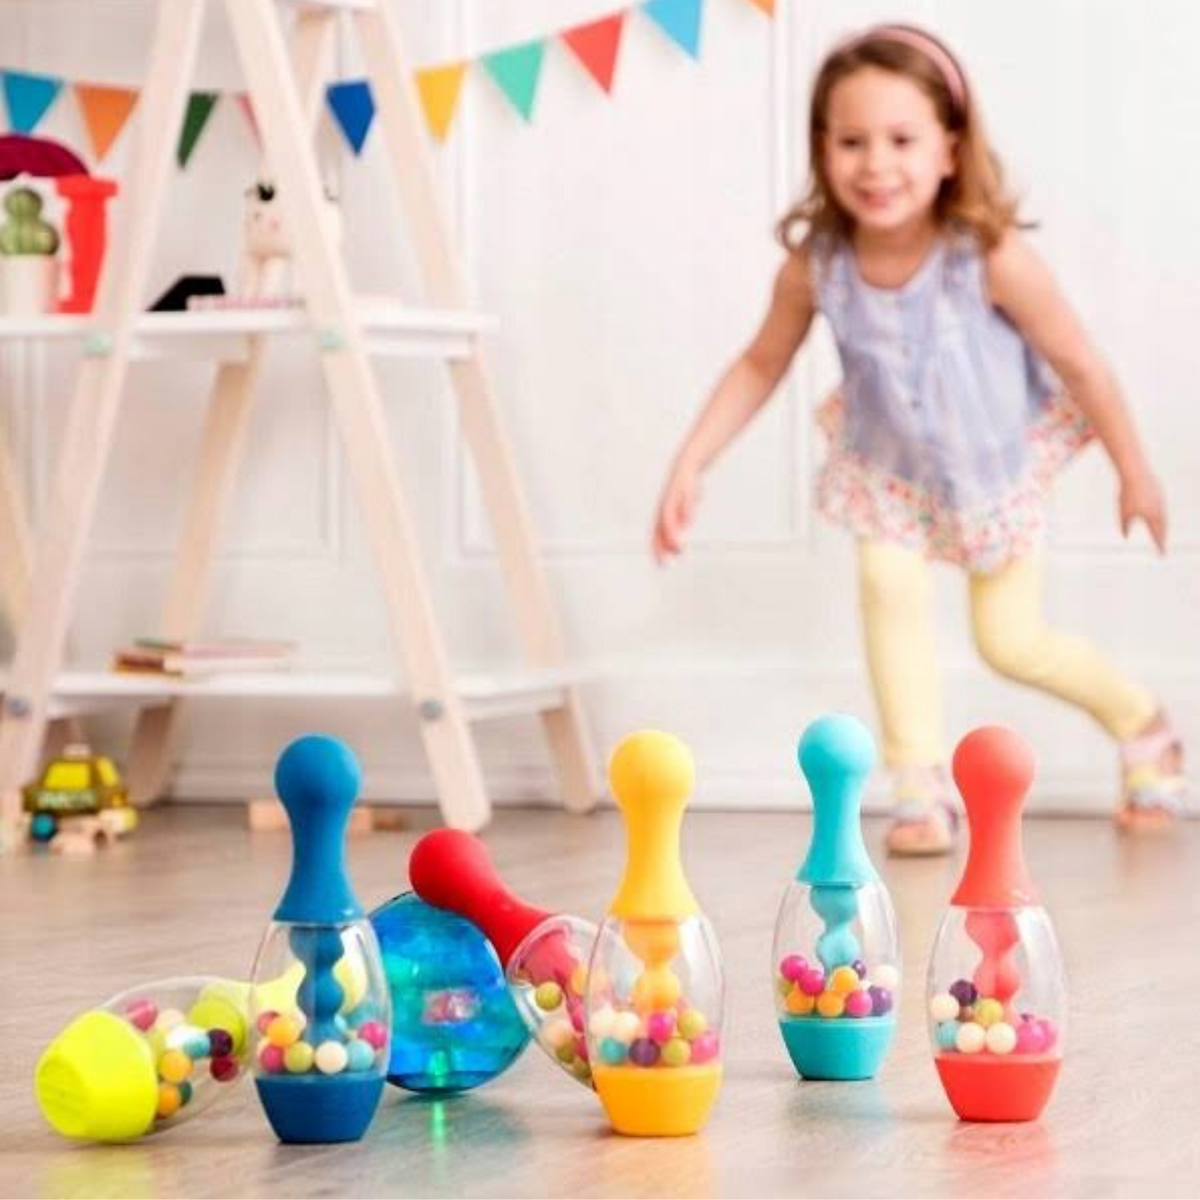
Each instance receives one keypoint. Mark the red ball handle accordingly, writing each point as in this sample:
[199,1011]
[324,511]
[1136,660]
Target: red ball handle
[452,869]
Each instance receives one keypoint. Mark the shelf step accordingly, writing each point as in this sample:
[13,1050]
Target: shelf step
[486,695]
[392,329]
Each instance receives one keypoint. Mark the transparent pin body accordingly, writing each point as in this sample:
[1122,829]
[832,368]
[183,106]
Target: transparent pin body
[148,1059]
[321,1041]
[454,1023]
[836,978]
[655,1002]
[996,1010]
[547,975]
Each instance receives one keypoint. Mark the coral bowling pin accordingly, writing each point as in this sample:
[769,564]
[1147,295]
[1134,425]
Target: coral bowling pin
[836,958]
[655,988]
[319,1063]
[996,992]
[544,955]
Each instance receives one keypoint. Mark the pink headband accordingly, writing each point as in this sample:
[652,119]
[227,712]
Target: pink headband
[933,50]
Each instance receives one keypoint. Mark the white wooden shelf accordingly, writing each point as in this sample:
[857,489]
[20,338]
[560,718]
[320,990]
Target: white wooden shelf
[391,328]
[485,694]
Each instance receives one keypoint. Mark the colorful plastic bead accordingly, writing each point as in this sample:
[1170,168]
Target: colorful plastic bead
[283,1031]
[944,1007]
[548,996]
[169,1101]
[830,1004]
[1049,1033]
[971,1038]
[859,1004]
[964,991]
[298,1058]
[185,1092]
[168,1019]
[812,982]
[270,1058]
[692,1024]
[946,1035]
[792,967]
[860,968]
[613,1051]
[224,1068]
[601,1024]
[141,1013]
[1001,1038]
[1031,1038]
[843,981]
[798,1003]
[360,1055]
[988,1012]
[661,1026]
[558,1033]
[220,1043]
[174,1066]
[331,1058]
[886,976]
[881,1000]
[625,1026]
[706,1048]
[263,1023]
[374,1033]
[644,1052]
[676,1052]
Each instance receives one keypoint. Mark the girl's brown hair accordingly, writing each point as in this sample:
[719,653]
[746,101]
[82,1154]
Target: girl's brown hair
[974,198]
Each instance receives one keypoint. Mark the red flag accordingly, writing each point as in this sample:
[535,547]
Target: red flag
[595,45]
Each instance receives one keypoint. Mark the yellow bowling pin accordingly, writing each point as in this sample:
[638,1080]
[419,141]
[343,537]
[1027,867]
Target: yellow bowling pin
[655,990]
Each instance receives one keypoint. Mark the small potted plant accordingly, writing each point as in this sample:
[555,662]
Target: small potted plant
[28,249]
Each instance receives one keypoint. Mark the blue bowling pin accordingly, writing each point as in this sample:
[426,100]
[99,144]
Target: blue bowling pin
[321,1006]
[837,954]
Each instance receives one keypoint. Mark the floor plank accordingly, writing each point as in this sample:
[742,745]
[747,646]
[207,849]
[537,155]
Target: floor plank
[191,891]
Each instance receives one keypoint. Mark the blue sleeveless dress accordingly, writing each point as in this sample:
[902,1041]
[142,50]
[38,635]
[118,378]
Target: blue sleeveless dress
[949,429]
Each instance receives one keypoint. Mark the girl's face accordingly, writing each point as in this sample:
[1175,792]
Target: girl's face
[885,153]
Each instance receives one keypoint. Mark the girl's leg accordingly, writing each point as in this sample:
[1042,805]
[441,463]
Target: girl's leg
[1014,639]
[896,595]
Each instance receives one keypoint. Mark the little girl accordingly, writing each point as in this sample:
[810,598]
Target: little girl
[951,421]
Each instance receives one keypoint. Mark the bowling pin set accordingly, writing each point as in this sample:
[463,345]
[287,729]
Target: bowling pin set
[440,990]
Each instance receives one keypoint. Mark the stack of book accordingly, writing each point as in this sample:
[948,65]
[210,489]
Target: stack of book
[160,656]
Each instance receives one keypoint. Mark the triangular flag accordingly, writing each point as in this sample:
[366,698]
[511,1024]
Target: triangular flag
[199,109]
[516,70]
[679,20]
[768,6]
[438,88]
[595,45]
[28,97]
[247,107]
[353,108]
[105,111]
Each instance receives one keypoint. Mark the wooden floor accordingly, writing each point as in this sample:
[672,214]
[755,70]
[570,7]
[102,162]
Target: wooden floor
[191,890]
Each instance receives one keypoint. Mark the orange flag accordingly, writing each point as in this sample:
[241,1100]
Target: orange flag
[439,88]
[768,6]
[105,111]
[595,45]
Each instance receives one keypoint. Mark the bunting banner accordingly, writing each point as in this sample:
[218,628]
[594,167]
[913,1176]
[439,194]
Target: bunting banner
[514,71]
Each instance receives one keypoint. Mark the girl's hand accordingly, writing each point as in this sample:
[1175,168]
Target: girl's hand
[1142,500]
[675,512]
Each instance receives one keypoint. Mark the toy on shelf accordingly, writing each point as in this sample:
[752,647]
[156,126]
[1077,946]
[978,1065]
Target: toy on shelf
[265,279]
[84,223]
[836,958]
[320,1062]
[79,800]
[655,987]
[148,1059]
[28,249]
[454,1025]
[996,992]
[544,955]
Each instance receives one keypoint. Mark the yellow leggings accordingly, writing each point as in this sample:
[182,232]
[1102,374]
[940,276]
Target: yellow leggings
[1010,633]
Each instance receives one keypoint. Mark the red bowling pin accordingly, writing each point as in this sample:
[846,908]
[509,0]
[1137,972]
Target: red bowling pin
[996,991]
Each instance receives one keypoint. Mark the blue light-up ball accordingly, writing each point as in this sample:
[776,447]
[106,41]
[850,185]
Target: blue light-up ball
[454,1023]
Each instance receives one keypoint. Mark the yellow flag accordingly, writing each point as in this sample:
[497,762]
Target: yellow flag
[439,87]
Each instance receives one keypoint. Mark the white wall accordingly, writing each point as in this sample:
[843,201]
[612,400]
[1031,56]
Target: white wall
[626,246]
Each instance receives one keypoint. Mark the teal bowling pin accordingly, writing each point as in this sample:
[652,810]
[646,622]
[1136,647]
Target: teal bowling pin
[836,972]
[320,1060]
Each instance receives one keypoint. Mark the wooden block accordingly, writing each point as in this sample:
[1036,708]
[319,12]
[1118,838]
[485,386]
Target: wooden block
[266,816]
